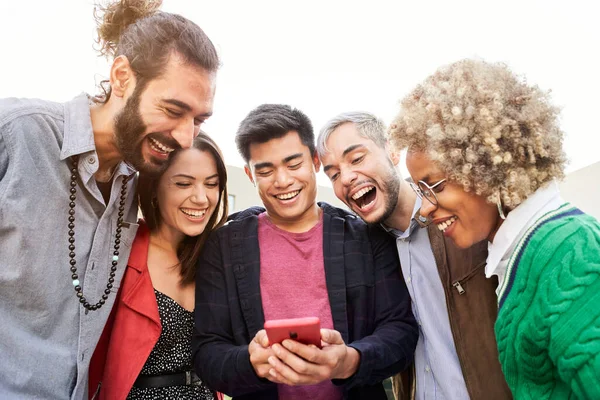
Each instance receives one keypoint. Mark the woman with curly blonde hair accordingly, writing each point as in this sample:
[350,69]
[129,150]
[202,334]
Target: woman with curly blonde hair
[485,151]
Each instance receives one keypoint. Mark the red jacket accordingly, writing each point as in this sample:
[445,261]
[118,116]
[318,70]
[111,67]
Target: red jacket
[132,330]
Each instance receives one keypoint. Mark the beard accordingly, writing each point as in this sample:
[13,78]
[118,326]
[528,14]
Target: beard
[129,135]
[390,188]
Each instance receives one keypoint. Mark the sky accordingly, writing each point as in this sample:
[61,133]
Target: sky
[326,57]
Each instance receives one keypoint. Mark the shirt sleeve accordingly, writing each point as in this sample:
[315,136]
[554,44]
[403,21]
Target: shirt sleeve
[575,333]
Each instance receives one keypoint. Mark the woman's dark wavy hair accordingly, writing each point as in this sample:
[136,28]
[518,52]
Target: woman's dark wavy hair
[148,38]
[190,248]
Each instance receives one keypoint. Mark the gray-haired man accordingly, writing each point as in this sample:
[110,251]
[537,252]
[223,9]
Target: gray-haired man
[455,305]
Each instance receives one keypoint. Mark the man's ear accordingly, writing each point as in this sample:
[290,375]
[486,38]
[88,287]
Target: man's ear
[249,174]
[393,154]
[122,79]
[316,162]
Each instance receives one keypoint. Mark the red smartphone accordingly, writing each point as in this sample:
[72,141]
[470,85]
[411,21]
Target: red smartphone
[303,330]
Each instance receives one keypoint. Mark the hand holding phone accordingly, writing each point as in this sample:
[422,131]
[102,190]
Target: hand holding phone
[303,330]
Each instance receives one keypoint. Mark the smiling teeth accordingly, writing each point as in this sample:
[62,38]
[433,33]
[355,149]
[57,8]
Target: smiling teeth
[194,213]
[362,192]
[444,225]
[287,196]
[158,146]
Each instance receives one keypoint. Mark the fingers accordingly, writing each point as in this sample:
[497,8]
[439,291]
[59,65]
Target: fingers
[259,353]
[330,336]
[296,369]
[309,353]
[261,338]
[294,363]
[292,370]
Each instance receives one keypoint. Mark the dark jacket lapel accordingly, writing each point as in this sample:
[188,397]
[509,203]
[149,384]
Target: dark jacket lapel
[335,272]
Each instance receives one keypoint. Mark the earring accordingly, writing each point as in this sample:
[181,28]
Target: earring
[500,210]
[153,203]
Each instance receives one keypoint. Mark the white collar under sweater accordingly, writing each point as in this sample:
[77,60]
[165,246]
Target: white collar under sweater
[516,224]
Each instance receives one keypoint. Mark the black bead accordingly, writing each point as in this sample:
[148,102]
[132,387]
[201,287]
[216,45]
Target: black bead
[86,304]
[74,276]
[71,247]
[73,269]
[82,300]
[73,190]
[114,263]
[72,204]
[104,297]
[73,184]
[73,262]
[117,247]
[107,291]
[117,241]
[72,254]
[101,302]
[78,288]
[71,212]
[111,280]
[118,236]
[71,226]
[109,285]
[71,218]
[72,197]
[71,240]
[113,268]
[80,295]
[94,307]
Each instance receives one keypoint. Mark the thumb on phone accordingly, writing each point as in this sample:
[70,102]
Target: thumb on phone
[261,338]
[331,336]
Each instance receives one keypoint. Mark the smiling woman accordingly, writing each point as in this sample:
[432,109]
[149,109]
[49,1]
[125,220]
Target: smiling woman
[147,352]
[485,149]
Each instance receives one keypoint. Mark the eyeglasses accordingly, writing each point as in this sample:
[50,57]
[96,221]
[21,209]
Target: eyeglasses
[423,190]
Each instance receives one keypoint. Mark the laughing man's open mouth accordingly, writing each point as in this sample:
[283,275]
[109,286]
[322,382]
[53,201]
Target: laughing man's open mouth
[365,196]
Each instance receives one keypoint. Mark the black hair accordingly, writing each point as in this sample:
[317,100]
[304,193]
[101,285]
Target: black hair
[273,121]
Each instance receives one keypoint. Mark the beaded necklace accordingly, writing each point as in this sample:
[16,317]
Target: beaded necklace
[115,258]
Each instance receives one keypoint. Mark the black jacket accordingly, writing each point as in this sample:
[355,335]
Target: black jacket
[369,303]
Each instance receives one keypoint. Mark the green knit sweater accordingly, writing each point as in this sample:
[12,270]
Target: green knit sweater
[548,326]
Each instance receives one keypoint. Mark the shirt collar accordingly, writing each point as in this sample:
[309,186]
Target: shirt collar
[78,132]
[398,234]
[517,222]
[79,137]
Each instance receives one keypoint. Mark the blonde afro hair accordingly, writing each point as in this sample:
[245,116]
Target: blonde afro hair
[486,128]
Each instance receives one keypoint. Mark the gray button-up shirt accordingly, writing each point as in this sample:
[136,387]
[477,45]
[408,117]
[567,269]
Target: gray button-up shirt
[46,337]
[438,372]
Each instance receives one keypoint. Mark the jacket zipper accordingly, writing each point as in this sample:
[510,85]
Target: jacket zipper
[457,284]
[459,287]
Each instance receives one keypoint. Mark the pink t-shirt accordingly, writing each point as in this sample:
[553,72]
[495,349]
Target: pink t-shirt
[292,285]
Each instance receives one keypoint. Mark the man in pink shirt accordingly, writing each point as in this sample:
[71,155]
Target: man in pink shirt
[298,258]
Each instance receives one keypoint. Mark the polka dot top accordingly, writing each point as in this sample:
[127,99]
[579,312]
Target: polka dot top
[172,353]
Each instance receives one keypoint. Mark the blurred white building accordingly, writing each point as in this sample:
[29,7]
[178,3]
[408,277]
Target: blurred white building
[582,189]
